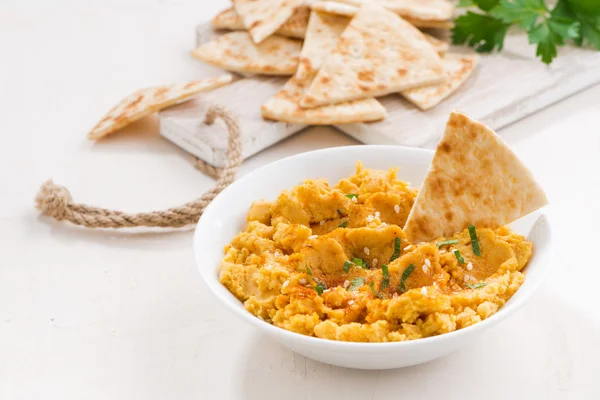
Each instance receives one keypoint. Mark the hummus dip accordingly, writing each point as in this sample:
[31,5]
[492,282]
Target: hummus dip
[334,262]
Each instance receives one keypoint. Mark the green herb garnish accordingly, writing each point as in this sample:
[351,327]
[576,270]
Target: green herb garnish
[355,262]
[372,287]
[355,284]
[308,271]
[475,286]
[405,276]
[385,282]
[547,27]
[319,288]
[351,196]
[474,240]
[343,224]
[446,242]
[396,249]
[459,257]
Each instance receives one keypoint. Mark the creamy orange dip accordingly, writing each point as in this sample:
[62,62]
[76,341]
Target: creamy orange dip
[333,262]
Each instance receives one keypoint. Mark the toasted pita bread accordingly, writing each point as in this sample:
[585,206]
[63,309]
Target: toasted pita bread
[347,10]
[284,107]
[295,27]
[144,102]
[438,44]
[458,68]
[377,54]
[262,18]
[437,10]
[235,51]
[322,36]
[474,178]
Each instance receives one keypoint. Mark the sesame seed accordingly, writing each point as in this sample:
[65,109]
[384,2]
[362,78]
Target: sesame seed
[346,283]
[268,267]
[303,281]
[424,268]
[427,262]
[408,247]
[285,284]
[397,209]
[370,218]
[313,237]
[383,225]
[350,302]
[367,251]
[466,278]
[375,261]
[326,290]
[377,214]
[470,266]
[322,223]
[424,291]
[354,199]
[442,251]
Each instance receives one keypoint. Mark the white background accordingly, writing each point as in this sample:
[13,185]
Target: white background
[111,315]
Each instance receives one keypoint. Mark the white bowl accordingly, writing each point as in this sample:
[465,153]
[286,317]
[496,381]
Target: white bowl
[225,217]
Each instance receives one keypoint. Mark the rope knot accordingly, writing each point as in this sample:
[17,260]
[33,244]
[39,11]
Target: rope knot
[53,200]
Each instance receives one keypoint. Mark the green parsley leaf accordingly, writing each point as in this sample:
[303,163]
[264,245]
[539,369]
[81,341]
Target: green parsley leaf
[458,256]
[484,33]
[475,286]
[308,271]
[465,3]
[343,224]
[355,284]
[486,5]
[320,288]
[474,240]
[524,13]
[551,33]
[587,12]
[385,282]
[446,242]
[396,249]
[351,195]
[405,276]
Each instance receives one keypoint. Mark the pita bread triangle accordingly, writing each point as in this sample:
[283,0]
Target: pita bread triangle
[263,17]
[295,27]
[438,10]
[474,178]
[235,51]
[284,106]
[378,53]
[144,102]
[458,68]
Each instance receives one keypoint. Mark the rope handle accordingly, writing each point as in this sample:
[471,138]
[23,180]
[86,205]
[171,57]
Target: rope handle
[56,201]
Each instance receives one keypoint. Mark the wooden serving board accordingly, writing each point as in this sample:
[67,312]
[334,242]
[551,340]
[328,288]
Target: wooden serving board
[505,88]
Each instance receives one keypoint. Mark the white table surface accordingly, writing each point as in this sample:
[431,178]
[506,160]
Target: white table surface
[111,315]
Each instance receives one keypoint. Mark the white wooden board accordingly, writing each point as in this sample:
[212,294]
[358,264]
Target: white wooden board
[505,88]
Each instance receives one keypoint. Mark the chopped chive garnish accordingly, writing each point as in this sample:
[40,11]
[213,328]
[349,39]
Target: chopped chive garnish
[360,262]
[447,242]
[319,288]
[343,224]
[355,284]
[347,266]
[475,286]
[396,249]
[459,257]
[308,271]
[405,276]
[372,287]
[386,276]
[351,195]
[474,240]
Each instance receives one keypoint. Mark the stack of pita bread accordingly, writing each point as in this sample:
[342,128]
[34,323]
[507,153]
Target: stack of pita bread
[341,55]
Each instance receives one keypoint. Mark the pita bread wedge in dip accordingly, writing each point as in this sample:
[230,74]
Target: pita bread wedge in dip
[377,54]
[474,179]
[284,106]
[235,51]
[295,27]
[322,35]
[459,68]
[144,102]
[262,18]
[437,10]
